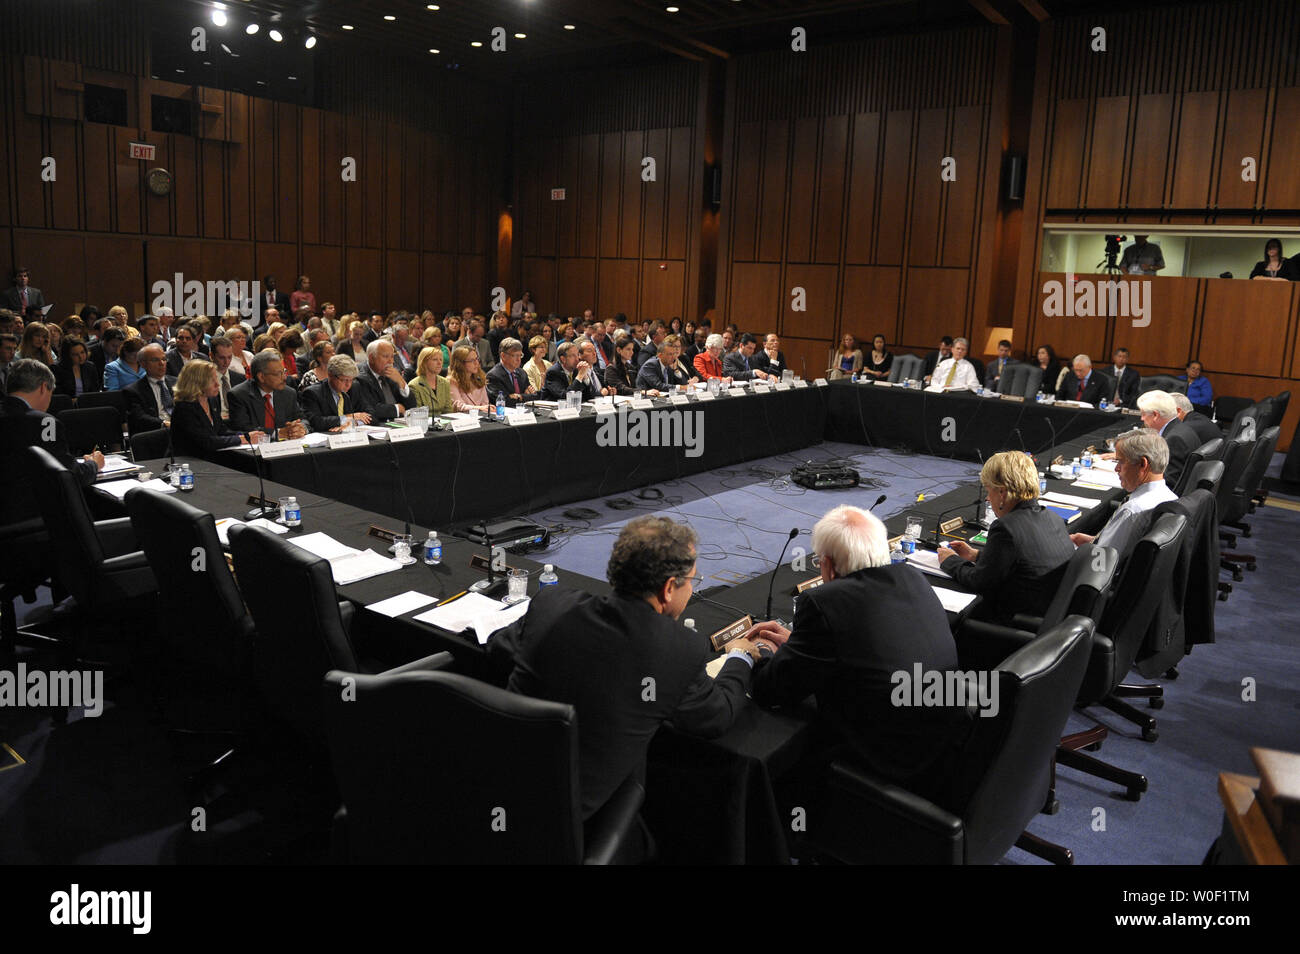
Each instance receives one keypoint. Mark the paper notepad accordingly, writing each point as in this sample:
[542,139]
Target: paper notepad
[1099,477]
[1084,503]
[927,560]
[225,523]
[118,488]
[117,464]
[954,601]
[395,606]
[347,564]
[474,611]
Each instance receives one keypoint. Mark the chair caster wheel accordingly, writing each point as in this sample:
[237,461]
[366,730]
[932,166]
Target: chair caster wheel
[1134,793]
[1223,597]
[1156,702]
[1095,747]
[1150,735]
[1172,673]
[1052,807]
[1251,567]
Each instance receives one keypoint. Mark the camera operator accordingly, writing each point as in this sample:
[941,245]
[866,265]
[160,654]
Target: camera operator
[1142,257]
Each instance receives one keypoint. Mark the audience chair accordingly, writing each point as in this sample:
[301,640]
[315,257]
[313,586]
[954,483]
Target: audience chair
[149,445]
[1021,379]
[114,399]
[1161,382]
[905,367]
[1242,502]
[1210,450]
[91,428]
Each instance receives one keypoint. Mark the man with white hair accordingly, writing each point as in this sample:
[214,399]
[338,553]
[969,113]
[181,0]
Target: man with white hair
[955,372]
[1206,430]
[1141,456]
[869,620]
[383,391]
[1086,384]
[1160,413]
[708,363]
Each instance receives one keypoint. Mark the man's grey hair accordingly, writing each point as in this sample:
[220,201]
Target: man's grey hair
[956,342]
[564,348]
[261,360]
[511,344]
[373,347]
[713,341]
[1158,403]
[341,366]
[1082,359]
[853,538]
[1182,402]
[1143,442]
[27,375]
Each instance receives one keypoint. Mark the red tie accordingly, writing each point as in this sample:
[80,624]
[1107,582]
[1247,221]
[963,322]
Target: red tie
[1079,396]
[22,294]
[270,417]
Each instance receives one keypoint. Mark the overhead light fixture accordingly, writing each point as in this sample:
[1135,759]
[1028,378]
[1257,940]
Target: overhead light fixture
[219,17]
[347,26]
[520,36]
[293,77]
[310,42]
[275,35]
[570,26]
[226,48]
[672,9]
[433,6]
[476,43]
[389,17]
[435,51]
[251,29]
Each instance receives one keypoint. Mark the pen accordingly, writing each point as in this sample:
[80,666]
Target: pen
[452,598]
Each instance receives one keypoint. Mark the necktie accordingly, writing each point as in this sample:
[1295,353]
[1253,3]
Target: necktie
[1119,373]
[166,393]
[667,378]
[1079,396]
[269,417]
[952,373]
[22,296]
[340,405]
[225,388]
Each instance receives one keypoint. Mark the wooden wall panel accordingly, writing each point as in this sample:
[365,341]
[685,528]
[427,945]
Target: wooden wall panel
[1168,339]
[1194,155]
[157,210]
[858,244]
[323,264]
[1244,324]
[233,261]
[187,185]
[402,279]
[663,291]
[935,304]
[611,181]
[65,205]
[772,197]
[743,206]
[312,191]
[166,257]
[570,175]
[871,296]
[127,183]
[633,191]
[540,278]
[97,179]
[893,204]
[472,283]
[961,208]
[928,189]
[114,272]
[821,286]
[1106,149]
[1065,168]
[437,282]
[756,299]
[616,282]
[1149,160]
[266,201]
[801,189]
[577,285]
[58,267]
[1243,136]
[655,195]
[1281,185]
[362,279]
[547,215]
[370,176]
[281,260]
[681,196]
[830,189]
[586,200]
[289,162]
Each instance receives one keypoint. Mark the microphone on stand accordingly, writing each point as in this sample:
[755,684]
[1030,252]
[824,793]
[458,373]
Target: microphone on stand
[939,520]
[879,500]
[486,586]
[401,486]
[263,510]
[794,532]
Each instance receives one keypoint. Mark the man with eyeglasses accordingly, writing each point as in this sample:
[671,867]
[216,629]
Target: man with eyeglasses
[623,660]
[184,351]
[263,403]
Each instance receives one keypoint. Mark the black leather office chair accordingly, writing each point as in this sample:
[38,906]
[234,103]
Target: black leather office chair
[1185,615]
[1242,499]
[498,783]
[114,399]
[92,427]
[1001,780]
[149,445]
[60,403]
[24,565]
[905,367]
[1249,421]
[1210,450]
[1021,379]
[98,562]
[1161,382]
[1207,475]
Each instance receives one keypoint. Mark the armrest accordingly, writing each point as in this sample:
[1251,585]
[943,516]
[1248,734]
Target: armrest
[982,645]
[427,664]
[875,821]
[23,528]
[346,612]
[1026,622]
[116,536]
[126,562]
[606,831]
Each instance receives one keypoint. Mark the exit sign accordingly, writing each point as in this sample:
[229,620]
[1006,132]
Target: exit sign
[142,150]
[557,195]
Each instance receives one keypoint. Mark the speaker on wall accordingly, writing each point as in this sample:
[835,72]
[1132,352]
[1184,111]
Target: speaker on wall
[715,188]
[1015,177]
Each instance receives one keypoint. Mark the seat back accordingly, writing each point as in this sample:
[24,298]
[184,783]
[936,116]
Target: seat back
[76,546]
[88,428]
[1021,379]
[1207,475]
[1148,573]
[1247,422]
[150,445]
[486,777]
[1235,458]
[1251,476]
[1210,450]
[114,399]
[906,366]
[1281,401]
[1084,586]
[300,632]
[1012,752]
[194,581]
[1161,382]
[1185,610]
[60,403]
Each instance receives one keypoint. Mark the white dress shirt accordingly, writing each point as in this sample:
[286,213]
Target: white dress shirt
[965,376]
[1119,530]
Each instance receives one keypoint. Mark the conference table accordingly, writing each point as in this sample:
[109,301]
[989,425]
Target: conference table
[716,797]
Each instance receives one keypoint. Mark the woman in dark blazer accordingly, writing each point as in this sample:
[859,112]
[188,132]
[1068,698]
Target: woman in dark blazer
[620,374]
[196,430]
[878,361]
[75,374]
[1050,365]
[1021,566]
[1274,267]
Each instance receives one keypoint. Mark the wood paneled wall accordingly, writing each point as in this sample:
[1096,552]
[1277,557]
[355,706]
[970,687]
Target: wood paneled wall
[1154,130]
[616,242]
[833,163]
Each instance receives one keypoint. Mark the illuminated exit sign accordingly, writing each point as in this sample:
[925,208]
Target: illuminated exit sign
[142,150]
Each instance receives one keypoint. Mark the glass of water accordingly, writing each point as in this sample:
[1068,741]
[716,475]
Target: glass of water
[516,586]
[914,528]
[402,549]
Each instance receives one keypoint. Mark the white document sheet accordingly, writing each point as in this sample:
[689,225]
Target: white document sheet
[1085,503]
[118,488]
[928,561]
[474,611]
[953,601]
[395,606]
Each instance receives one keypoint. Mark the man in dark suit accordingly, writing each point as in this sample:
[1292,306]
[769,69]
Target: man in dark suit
[1086,383]
[263,403]
[106,349]
[383,392]
[403,359]
[21,296]
[740,364]
[185,350]
[508,376]
[8,349]
[223,352]
[602,340]
[270,297]
[149,401]
[1206,430]
[650,349]
[660,373]
[1160,413]
[868,620]
[770,357]
[993,372]
[1125,392]
[622,660]
[327,403]
[1021,566]
[569,373]
[24,422]
[943,352]
[374,327]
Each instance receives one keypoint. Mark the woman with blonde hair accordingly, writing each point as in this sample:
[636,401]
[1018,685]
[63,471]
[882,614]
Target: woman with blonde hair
[237,335]
[537,366]
[429,387]
[467,381]
[432,338]
[848,359]
[195,430]
[36,344]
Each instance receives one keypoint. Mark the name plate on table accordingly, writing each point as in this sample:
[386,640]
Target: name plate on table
[603,410]
[809,584]
[1012,397]
[705,396]
[516,420]
[348,439]
[270,451]
[479,562]
[737,392]
[642,404]
[679,399]
[1136,412]
[884,384]
[728,633]
[464,424]
[566,413]
[948,526]
[382,534]
[399,434]
[783,386]
[820,382]
[800,383]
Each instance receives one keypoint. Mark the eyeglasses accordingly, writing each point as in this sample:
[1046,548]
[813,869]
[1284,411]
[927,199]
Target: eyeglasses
[693,580]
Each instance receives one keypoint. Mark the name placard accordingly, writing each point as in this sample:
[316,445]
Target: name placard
[705,396]
[800,383]
[348,439]
[1136,412]
[270,451]
[566,413]
[479,562]
[883,384]
[730,632]
[604,409]
[642,404]
[679,399]
[1012,397]
[464,424]
[517,420]
[783,386]
[820,382]
[382,534]
[809,584]
[399,434]
[948,526]
[737,392]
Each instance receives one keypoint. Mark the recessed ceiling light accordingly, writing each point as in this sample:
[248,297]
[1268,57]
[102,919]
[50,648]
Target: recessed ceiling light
[251,29]
[435,51]
[180,71]
[347,26]
[672,9]
[475,43]
[293,77]
[226,48]
[275,35]
[520,36]
[433,6]
[219,17]
[310,42]
[389,17]
[570,26]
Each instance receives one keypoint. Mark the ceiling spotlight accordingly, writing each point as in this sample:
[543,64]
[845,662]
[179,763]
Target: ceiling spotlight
[570,26]
[275,35]
[251,29]
[476,43]
[672,9]
[310,42]
[293,77]
[435,51]
[219,17]
[433,6]
[226,48]
[347,26]
[520,36]
[389,17]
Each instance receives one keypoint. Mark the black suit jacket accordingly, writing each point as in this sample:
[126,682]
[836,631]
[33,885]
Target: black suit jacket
[1182,440]
[1128,383]
[320,408]
[652,375]
[763,361]
[1206,430]
[91,380]
[21,428]
[196,436]
[643,353]
[739,368]
[1099,386]
[281,304]
[248,411]
[931,362]
[1020,567]
[498,382]
[621,377]
[371,395]
[9,299]
[848,639]
[236,379]
[595,653]
[141,408]
[557,385]
[175,362]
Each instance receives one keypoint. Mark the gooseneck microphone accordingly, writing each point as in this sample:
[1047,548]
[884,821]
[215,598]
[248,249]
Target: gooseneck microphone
[263,510]
[794,532]
[879,500]
[938,522]
[401,486]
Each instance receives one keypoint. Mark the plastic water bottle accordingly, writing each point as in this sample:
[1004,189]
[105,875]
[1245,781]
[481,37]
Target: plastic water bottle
[1042,482]
[1087,460]
[501,406]
[548,577]
[989,516]
[187,478]
[896,554]
[1075,468]
[1103,406]
[432,549]
[292,513]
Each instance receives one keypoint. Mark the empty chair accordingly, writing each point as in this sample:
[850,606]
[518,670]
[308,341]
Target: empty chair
[113,399]
[1001,780]
[1185,616]
[1210,450]
[906,367]
[1161,382]
[1242,499]
[1246,422]
[1207,475]
[501,787]
[91,428]
[1020,379]
[60,403]
[150,445]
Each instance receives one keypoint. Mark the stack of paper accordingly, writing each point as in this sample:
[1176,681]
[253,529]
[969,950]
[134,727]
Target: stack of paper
[1097,478]
[117,464]
[225,523]
[928,561]
[954,601]
[348,565]
[118,488]
[1070,500]
[474,611]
